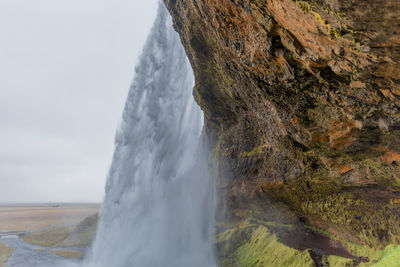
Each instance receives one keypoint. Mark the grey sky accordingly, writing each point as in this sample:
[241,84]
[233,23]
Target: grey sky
[65,66]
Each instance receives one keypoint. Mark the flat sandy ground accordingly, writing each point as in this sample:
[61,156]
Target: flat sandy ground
[32,217]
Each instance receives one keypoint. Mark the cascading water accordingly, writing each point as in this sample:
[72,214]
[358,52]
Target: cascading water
[159,208]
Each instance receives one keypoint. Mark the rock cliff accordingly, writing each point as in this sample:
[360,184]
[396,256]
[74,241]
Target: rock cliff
[302,112]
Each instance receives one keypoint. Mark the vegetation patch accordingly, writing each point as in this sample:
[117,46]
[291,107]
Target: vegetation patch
[80,235]
[254,245]
[48,238]
[391,257]
[5,253]
[388,257]
[256,150]
[69,254]
[341,28]
[372,223]
[304,6]
[337,261]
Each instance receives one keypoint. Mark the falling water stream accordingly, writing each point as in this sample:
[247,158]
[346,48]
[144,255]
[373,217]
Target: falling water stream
[159,208]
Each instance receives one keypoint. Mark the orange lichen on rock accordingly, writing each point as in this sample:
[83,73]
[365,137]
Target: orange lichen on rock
[391,157]
[342,168]
[339,133]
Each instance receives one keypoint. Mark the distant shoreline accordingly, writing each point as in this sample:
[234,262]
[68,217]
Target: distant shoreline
[49,204]
[30,217]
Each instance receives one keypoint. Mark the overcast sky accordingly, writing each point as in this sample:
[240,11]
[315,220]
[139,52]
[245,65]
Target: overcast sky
[66,66]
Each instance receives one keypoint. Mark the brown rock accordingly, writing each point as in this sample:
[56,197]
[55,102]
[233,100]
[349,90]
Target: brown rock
[357,85]
[310,84]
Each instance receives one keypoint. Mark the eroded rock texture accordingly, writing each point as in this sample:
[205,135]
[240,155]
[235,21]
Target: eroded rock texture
[302,107]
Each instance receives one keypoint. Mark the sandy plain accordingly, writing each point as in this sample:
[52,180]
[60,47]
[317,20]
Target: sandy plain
[33,217]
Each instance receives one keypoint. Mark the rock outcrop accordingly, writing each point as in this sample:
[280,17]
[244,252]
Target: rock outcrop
[302,111]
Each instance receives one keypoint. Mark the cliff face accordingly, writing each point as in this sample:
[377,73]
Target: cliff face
[302,110]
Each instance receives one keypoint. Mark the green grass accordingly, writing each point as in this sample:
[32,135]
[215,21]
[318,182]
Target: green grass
[248,244]
[391,257]
[336,261]
[254,245]
[264,249]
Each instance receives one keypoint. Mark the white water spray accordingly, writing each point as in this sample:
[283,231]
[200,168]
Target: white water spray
[159,205]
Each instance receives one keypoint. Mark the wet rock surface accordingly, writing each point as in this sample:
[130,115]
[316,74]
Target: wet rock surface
[302,110]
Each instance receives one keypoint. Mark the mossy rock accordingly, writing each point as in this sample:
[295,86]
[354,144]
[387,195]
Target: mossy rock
[255,245]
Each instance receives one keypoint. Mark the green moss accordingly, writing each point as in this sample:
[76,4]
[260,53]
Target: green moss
[334,13]
[231,239]
[331,30]
[373,224]
[324,197]
[254,245]
[390,258]
[304,6]
[197,97]
[391,139]
[256,150]
[378,172]
[217,75]
[217,148]
[336,261]
[264,249]
[319,18]
[340,29]
[321,195]
[323,115]
[338,32]
[251,244]
[374,255]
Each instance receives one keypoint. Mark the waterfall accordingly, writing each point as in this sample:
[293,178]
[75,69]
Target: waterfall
[158,209]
